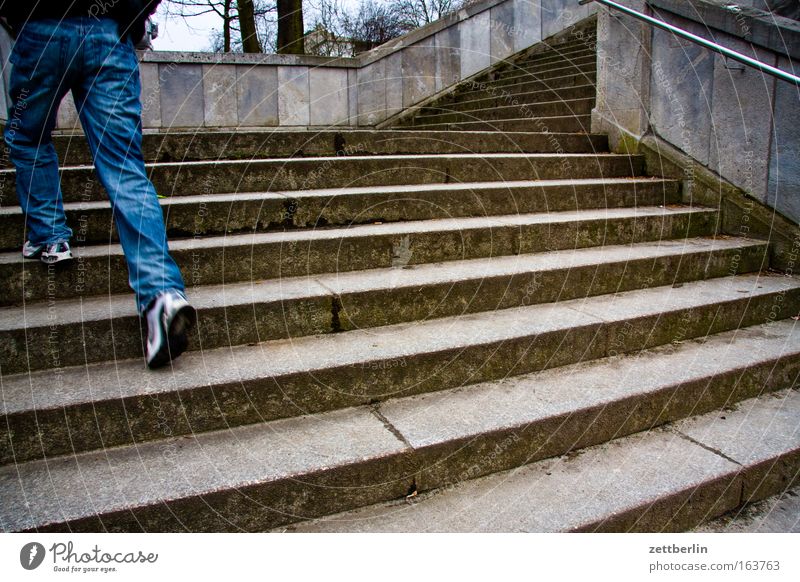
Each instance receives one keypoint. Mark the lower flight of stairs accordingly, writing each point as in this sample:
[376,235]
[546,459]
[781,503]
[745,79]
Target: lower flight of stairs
[406,330]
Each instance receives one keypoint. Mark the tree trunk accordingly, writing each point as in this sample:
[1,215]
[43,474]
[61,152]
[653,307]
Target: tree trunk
[247,26]
[226,26]
[290,27]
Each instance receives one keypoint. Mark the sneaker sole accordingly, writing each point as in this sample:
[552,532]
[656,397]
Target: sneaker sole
[55,259]
[177,337]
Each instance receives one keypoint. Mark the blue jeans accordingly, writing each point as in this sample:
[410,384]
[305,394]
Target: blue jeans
[86,56]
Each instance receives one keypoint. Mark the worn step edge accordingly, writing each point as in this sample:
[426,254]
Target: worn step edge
[545,71]
[88,330]
[101,269]
[663,480]
[214,389]
[201,215]
[511,110]
[472,88]
[544,124]
[569,107]
[261,476]
[529,98]
[249,144]
[79,183]
[566,54]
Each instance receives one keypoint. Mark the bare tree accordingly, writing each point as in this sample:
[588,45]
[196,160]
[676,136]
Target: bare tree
[374,23]
[416,13]
[254,17]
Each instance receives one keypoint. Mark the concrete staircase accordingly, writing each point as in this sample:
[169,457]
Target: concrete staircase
[514,330]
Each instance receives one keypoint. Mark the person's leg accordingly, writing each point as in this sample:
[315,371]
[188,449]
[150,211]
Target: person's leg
[107,99]
[38,82]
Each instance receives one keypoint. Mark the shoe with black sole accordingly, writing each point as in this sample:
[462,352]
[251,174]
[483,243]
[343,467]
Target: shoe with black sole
[56,253]
[169,319]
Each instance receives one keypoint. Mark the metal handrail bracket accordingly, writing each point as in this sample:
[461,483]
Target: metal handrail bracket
[732,54]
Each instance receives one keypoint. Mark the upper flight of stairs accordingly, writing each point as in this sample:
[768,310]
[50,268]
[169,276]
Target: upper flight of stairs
[517,330]
[543,91]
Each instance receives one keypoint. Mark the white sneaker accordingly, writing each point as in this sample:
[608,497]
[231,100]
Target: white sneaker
[56,253]
[169,320]
[30,251]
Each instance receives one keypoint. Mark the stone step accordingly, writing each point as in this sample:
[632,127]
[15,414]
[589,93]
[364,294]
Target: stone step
[777,514]
[262,476]
[560,108]
[545,63]
[586,72]
[670,479]
[79,184]
[178,146]
[560,54]
[263,211]
[100,270]
[569,124]
[577,63]
[478,90]
[237,314]
[111,403]
[549,95]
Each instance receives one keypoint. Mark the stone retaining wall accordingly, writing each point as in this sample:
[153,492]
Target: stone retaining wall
[731,119]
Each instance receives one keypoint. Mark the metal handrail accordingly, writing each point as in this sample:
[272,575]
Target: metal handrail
[756,64]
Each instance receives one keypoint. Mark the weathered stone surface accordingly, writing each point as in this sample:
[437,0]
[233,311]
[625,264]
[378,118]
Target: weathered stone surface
[761,435]
[527,23]
[225,176]
[653,481]
[219,95]
[784,168]
[742,119]
[151,95]
[257,96]
[352,97]
[394,84]
[293,96]
[664,477]
[6,43]
[67,117]
[254,481]
[329,96]
[259,144]
[182,103]
[623,70]
[680,93]
[560,14]
[781,35]
[448,58]
[777,514]
[475,43]
[372,93]
[262,211]
[419,72]
[533,338]
[503,29]
[275,254]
